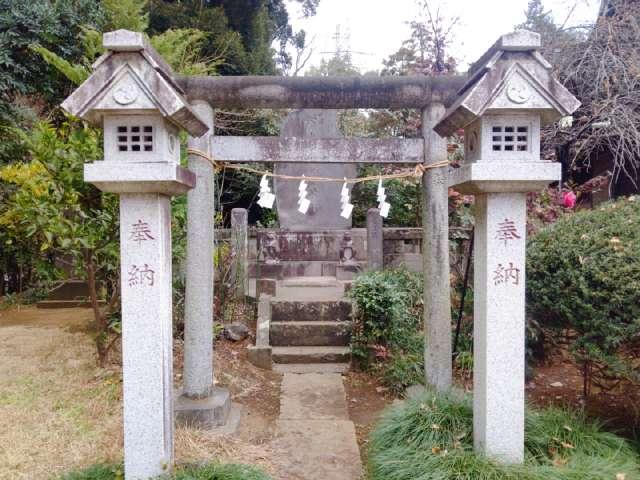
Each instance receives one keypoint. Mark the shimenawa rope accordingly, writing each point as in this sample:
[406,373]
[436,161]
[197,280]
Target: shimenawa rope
[416,172]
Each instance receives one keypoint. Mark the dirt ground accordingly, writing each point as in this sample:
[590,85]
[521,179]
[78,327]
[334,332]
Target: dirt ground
[58,411]
[559,382]
[366,399]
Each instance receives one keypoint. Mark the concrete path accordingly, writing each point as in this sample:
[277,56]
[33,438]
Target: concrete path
[314,436]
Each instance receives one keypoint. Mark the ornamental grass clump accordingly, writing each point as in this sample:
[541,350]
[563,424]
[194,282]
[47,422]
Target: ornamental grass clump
[583,281]
[431,438]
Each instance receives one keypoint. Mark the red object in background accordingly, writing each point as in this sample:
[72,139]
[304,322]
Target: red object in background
[569,199]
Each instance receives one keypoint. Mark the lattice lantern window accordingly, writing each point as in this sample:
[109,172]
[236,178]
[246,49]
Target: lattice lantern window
[135,138]
[140,138]
[510,138]
[503,138]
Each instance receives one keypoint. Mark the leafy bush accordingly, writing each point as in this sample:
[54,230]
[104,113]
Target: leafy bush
[201,472]
[404,195]
[387,325]
[54,25]
[583,280]
[432,438]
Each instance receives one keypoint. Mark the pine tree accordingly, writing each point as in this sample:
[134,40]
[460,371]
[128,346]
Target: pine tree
[540,21]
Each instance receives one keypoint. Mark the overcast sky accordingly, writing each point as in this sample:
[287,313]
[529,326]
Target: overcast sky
[374,29]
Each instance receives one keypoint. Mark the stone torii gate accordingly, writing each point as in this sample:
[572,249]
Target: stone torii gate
[141,104]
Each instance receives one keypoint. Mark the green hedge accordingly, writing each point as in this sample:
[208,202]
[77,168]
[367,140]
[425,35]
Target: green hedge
[583,276]
[431,438]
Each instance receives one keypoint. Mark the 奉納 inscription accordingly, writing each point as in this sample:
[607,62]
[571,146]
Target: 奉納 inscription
[507,231]
[141,276]
[506,275]
[140,232]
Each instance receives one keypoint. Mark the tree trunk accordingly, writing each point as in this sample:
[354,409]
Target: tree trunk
[100,323]
[586,379]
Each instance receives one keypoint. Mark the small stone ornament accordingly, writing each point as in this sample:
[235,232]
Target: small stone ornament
[345,201]
[266,198]
[303,201]
[383,205]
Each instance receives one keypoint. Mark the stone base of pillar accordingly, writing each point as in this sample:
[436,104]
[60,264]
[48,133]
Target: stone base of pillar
[212,412]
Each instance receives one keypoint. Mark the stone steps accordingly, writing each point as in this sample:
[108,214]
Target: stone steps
[301,368]
[310,311]
[311,355]
[309,326]
[309,281]
[67,304]
[317,333]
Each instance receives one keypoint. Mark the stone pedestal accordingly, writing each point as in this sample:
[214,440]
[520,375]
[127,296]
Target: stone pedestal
[240,247]
[499,325]
[375,253]
[499,298]
[435,224]
[207,412]
[147,348]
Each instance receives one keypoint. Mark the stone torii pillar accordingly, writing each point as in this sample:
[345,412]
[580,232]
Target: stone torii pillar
[130,97]
[198,302]
[200,403]
[510,94]
[435,225]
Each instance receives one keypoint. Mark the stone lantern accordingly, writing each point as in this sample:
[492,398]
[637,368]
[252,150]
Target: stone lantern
[510,94]
[132,95]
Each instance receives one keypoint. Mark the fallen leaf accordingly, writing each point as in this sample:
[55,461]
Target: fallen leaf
[559,461]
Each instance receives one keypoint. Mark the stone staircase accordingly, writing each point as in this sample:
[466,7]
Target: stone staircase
[310,326]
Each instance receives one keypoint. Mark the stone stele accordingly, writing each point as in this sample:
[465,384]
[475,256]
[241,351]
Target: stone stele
[324,212]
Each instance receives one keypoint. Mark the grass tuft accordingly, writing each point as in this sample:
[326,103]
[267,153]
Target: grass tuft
[220,472]
[431,438]
[102,471]
[212,471]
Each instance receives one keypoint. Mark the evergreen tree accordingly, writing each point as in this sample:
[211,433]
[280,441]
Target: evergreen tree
[241,31]
[539,20]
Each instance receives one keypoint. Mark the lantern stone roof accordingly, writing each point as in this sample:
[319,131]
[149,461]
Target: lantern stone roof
[511,76]
[132,78]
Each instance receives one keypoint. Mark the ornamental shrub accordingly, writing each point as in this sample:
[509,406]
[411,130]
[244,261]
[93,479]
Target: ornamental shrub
[583,281]
[387,329]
